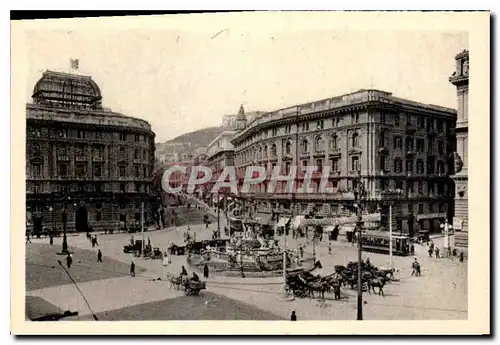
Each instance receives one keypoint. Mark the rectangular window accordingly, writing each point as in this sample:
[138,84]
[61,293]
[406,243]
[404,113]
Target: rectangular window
[98,216]
[396,120]
[275,131]
[320,124]
[80,134]
[122,171]
[421,122]
[355,163]
[383,185]
[37,188]
[137,170]
[420,144]
[98,135]
[144,171]
[63,169]
[398,165]
[409,166]
[97,170]
[335,164]
[398,142]
[80,170]
[122,187]
[37,170]
[383,166]
[63,133]
[319,164]
[136,138]
[409,144]
[439,126]
[137,187]
[420,209]
[123,137]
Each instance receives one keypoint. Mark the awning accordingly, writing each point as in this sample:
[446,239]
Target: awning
[282,221]
[431,216]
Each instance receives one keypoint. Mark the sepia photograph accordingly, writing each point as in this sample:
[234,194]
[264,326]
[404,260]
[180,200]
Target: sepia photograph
[268,166]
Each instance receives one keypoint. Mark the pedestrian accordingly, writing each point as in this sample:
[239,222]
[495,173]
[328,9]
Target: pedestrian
[28,238]
[437,253]
[93,242]
[205,271]
[461,257]
[99,256]
[301,249]
[412,250]
[430,251]
[69,260]
[184,271]
[132,269]
[415,268]
[95,239]
[149,241]
[51,239]
[293,317]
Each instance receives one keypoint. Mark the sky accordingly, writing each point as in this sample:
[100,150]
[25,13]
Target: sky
[183,80]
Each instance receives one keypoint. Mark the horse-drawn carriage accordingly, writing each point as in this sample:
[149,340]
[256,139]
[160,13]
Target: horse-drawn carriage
[177,250]
[191,287]
[371,277]
[156,254]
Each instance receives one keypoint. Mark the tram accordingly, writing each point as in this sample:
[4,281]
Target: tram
[378,242]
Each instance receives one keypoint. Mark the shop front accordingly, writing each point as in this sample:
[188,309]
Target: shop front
[431,222]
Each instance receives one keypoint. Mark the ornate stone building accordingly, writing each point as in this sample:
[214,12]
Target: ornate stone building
[85,166]
[401,149]
[220,154]
[460,79]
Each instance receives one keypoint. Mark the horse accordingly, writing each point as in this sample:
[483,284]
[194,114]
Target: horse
[176,282]
[320,287]
[377,282]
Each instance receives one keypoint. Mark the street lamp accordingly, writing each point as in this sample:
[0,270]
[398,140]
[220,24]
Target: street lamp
[65,220]
[358,194]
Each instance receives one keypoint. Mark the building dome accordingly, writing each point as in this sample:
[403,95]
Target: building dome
[67,90]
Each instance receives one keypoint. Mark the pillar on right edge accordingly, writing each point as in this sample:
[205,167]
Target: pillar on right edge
[460,78]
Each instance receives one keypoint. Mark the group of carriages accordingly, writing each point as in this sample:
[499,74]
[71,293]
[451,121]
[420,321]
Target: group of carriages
[303,283]
[136,248]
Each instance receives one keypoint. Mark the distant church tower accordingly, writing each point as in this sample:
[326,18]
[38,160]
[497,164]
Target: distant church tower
[241,119]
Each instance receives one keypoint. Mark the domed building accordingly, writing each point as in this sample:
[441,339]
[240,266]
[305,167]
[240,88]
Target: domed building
[87,167]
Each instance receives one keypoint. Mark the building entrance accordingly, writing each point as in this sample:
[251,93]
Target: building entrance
[81,219]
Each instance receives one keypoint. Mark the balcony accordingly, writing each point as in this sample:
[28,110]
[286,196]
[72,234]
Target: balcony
[137,161]
[319,153]
[353,173]
[97,159]
[410,152]
[335,151]
[80,159]
[411,129]
[335,173]
[305,154]
[287,157]
[63,158]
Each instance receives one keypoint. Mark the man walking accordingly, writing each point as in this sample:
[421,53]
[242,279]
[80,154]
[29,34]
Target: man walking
[99,256]
[28,238]
[132,269]
[293,317]
[329,248]
[69,260]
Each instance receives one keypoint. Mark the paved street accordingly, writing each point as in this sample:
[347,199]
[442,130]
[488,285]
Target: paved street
[440,293]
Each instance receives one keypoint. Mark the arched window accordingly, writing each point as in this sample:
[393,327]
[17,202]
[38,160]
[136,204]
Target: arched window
[334,142]
[305,146]
[355,139]
[265,151]
[318,144]
[122,153]
[273,150]
[288,148]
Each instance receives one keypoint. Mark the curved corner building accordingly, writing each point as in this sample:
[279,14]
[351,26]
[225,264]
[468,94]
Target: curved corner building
[86,166]
[402,151]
